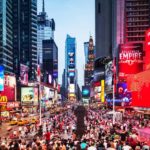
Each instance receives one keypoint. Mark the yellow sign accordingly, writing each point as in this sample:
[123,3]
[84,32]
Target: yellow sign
[102,91]
[3,99]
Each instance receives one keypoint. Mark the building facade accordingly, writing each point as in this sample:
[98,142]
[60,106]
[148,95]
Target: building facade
[50,60]
[25,35]
[103,26]
[89,66]
[6,35]
[45,31]
[70,67]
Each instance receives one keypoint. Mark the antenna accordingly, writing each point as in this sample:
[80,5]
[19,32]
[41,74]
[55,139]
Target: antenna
[43,9]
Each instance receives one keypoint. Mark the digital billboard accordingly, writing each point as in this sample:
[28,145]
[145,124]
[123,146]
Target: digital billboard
[108,75]
[139,85]
[85,91]
[1,78]
[29,95]
[147,50]
[46,93]
[123,93]
[130,59]
[24,74]
[9,91]
[72,88]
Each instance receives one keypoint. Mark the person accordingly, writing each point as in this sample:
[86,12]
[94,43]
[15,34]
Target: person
[127,146]
[47,136]
[145,146]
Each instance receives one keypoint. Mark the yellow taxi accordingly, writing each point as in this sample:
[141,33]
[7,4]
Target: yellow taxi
[22,122]
[13,122]
[33,121]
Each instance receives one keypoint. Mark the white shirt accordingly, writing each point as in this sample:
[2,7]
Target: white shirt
[92,148]
[126,147]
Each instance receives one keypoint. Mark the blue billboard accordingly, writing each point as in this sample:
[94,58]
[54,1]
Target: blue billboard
[85,91]
[1,78]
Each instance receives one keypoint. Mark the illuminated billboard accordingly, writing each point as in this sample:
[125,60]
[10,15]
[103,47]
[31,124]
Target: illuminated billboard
[1,78]
[24,74]
[9,91]
[29,95]
[71,74]
[85,91]
[130,59]
[139,85]
[72,88]
[147,50]
[108,75]
[46,93]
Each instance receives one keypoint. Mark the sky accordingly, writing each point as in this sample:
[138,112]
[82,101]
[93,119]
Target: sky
[76,18]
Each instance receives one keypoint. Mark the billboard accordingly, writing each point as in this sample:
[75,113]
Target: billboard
[108,75]
[1,78]
[29,95]
[46,93]
[123,93]
[130,59]
[103,91]
[72,88]
[147,50]
[85,91]
[24,74]
[139,85]
[9,91]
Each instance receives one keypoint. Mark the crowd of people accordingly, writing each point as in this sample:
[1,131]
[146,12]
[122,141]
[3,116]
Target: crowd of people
[58,132]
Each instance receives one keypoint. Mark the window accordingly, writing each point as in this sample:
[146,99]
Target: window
[99,8]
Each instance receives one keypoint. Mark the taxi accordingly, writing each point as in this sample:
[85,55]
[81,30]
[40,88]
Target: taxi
[22,122]
[33,121]
[13,122]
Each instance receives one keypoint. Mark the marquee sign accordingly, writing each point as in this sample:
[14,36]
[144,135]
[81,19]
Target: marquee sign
[130,59]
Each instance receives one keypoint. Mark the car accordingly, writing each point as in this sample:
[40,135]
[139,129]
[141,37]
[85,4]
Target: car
[20,123]
[33,121]
[13,122]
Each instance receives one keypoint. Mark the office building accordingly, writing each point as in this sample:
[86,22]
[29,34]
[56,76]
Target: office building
[6,35]
[45,31]
[89,66]
[25,35]
[70,67]
[103,26]
[50,60]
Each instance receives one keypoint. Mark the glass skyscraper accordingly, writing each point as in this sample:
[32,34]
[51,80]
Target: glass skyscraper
[46,28]
[6,50]
[70,67]
[25,35]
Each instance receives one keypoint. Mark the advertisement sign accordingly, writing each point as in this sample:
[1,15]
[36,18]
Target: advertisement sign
[123,94]
[46,93]
[9,91]
[1,78]
[147,50]
[72,88]
[130,59]
[29,95]
[85,91]
[108,75]
[139,85]
[24,74]
[102,91]
[11,105]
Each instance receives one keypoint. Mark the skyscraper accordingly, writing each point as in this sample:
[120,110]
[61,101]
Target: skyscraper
[46,28]
[6,39]
[50,60]
[25,35]
[89,66]
[70,67]
[103,22]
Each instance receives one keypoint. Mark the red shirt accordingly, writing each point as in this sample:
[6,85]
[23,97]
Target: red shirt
[47,136]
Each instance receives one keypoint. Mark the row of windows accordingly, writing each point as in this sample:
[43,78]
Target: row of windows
[135,39]
[138,23]
[137,29]
[137,18]
[142,13]
[136,34]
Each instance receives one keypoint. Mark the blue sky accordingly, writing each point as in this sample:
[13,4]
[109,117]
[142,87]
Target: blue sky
[76,18]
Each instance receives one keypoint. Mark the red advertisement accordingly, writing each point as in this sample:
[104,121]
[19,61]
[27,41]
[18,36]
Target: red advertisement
[130,59]
[9,89]
[147,50]
[139,85]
